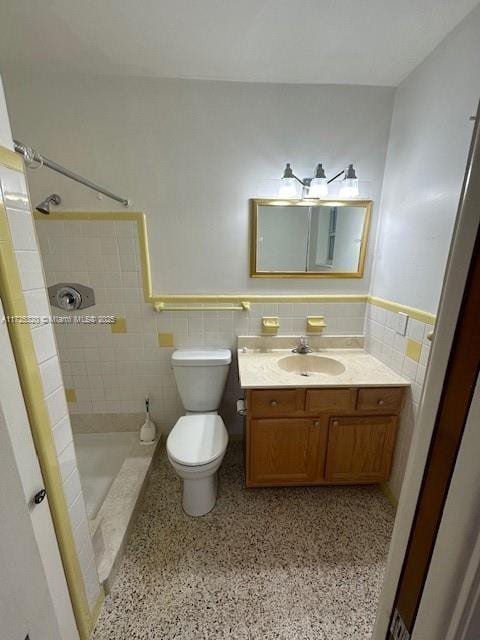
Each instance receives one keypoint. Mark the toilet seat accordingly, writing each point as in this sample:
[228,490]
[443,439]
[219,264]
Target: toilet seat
[197,440]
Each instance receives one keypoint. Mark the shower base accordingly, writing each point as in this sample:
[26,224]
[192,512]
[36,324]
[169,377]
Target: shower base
[114,468]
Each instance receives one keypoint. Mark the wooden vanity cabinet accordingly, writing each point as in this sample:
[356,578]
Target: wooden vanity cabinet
[320,436]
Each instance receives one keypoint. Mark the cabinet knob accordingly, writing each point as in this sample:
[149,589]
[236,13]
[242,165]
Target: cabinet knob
[335,423]
[273,403]
[316,423]
[381,403]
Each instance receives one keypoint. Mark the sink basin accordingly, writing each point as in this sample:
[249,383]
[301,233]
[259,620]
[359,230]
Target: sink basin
[311,364]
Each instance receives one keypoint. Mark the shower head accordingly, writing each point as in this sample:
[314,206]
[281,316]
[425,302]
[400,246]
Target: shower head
[44,206]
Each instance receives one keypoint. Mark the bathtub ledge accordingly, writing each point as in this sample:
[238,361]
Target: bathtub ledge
[116,516]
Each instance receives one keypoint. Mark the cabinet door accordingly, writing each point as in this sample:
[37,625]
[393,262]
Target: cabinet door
[360,449]
[283,450]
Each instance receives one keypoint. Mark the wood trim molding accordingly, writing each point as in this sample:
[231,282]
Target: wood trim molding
[222,298]
[10,159]
[30,380]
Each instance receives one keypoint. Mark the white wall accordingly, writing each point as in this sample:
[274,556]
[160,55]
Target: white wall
[426,159]
[191,154]
[110,373]
[450,304]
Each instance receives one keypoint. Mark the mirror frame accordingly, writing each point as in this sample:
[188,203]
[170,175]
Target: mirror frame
[256,203]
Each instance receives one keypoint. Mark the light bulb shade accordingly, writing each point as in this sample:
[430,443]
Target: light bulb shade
[288,173]
[349,188]
[288,188]
[320,171]
[318,188]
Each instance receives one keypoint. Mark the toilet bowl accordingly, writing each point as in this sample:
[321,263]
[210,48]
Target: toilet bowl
[196,447]
[197,443]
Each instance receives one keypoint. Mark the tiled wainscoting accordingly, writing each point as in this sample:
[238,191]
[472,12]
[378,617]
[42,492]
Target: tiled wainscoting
[408,355]
[24,239]
[108,369]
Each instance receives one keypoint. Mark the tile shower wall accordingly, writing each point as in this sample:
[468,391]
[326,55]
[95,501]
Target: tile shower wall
[109,369]
[24,239]
[407,355]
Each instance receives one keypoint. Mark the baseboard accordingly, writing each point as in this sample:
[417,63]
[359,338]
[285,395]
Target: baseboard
[388,493]
[97,609]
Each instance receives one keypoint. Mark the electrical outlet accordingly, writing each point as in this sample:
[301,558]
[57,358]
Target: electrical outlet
[402,321]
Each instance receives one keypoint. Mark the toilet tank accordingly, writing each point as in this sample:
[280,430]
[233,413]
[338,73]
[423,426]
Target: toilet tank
[201,377]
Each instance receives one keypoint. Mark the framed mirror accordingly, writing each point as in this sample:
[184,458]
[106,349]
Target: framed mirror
[309,238]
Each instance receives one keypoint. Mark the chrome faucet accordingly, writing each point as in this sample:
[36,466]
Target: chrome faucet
[303,346]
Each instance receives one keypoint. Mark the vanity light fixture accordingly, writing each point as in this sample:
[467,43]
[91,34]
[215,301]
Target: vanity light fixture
[349,188]
[317,187]
[288,187]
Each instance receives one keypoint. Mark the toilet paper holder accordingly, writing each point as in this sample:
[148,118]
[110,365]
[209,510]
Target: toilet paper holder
[241,407]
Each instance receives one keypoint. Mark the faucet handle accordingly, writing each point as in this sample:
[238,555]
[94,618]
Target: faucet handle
[302,346]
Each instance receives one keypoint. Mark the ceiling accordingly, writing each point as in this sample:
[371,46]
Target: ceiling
[374,42]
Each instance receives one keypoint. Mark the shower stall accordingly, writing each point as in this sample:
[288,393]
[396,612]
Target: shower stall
[82,256]
[86,257]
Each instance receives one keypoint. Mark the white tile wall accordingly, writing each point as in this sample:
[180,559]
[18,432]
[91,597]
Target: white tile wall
[383,342]
[24,239]
[112,373]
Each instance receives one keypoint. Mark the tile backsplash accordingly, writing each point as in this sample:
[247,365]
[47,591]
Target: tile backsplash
[108,369]
[407,355]
[22,230]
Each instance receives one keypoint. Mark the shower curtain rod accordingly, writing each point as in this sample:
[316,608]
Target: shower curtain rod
[32,156]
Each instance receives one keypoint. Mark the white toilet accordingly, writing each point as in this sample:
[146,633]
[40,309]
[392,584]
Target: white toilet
[197,443]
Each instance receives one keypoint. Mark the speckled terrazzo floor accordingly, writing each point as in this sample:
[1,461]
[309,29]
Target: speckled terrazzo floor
[283,564]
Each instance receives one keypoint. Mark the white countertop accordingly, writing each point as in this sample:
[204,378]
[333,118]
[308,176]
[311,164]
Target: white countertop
[259,369]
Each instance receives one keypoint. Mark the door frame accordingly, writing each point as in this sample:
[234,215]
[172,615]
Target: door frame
[423,440]
[453,582]
[30,558]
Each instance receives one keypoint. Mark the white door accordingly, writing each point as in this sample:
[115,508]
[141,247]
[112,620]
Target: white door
[25,603]
[34,598]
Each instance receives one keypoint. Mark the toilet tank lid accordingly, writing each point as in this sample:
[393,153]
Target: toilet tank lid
[201,357]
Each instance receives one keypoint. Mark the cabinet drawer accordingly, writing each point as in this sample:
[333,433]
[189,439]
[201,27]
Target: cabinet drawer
[330,400]
[276,402]
[381,400]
